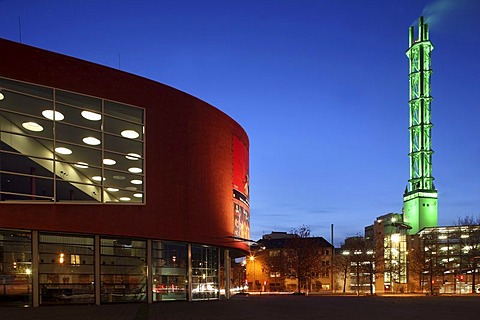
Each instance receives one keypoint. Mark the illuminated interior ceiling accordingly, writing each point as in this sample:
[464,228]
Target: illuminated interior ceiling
[28,127]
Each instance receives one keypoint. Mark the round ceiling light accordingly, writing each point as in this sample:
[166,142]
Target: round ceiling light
[63,150]
[81,165]
[91,141]
[130,134]
[133,156]
[32,126]
[53,115]
[109,162]
[134,170]
[125,199]
[2,96]
[131,188]
[112,189]
[97,178]
[136,181]
[119,177]
[138,195]
[91,115]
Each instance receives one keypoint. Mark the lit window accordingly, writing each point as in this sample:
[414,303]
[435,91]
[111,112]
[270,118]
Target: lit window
[75,259]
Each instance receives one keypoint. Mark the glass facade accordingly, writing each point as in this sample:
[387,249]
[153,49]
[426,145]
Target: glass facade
[395,256]
[69,265]
[205,275]
[123,270]
[169,266]
[450,260]
[62,146]
[15,267]
[66,269]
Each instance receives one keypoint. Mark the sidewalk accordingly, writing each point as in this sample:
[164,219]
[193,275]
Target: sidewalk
[266,307]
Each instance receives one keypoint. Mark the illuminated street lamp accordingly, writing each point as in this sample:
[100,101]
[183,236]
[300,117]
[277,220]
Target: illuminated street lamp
[252,259]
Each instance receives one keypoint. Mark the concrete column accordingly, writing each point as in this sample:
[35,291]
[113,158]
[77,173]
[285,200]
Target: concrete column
[189,272]
[97,277]
[149,272]
[228,268]
[35,267]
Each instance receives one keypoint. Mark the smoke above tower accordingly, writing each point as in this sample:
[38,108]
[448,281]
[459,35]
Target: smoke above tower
[443,15]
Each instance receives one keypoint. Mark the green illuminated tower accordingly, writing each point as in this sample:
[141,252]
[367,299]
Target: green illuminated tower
[420,208]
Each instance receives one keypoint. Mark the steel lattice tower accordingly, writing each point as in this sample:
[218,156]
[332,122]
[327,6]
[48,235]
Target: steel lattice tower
[420,198]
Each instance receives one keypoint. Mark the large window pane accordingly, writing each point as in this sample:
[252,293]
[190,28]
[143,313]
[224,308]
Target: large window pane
[70,191]
[88,156]
[26,125]
[66,269]
[123,145]
[23,187]
[15,267]
[18,163]
[26,145]
[169,265]
[78,100]
[22,103]
[204,273]
[125,112]
[26,88]
[123,270]
[125,182]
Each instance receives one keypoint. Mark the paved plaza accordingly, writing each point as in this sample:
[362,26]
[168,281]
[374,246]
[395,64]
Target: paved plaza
[267,307]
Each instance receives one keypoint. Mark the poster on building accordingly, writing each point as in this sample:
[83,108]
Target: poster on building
[241,186]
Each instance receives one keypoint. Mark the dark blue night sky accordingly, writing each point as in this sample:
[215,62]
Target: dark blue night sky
[321,87]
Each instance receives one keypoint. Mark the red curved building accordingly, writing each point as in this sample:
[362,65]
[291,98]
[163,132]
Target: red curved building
[113,187]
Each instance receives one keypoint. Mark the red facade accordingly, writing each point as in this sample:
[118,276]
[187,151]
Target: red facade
[189,157]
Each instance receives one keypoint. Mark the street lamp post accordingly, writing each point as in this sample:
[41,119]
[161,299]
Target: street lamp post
[252,259]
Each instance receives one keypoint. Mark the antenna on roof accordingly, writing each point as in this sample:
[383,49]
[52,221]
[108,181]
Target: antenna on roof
[20,28]
[119,66]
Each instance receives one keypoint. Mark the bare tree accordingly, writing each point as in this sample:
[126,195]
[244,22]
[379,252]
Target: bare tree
[275,265]
[341,266]
[303,256]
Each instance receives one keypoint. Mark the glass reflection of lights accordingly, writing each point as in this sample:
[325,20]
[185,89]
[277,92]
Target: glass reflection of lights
[133,156]
[130,134]
[63,150]
[32,126]
[53,115]
[109,162]
[81,165]
[91,115]
[134,170]
[91,141]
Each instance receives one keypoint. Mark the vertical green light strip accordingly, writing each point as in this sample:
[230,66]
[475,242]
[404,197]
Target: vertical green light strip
[420,99]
